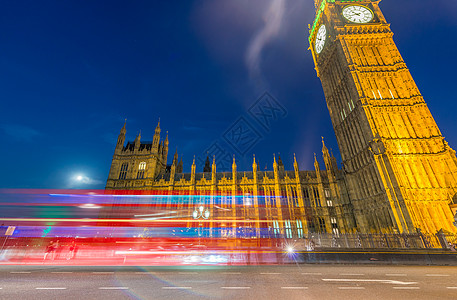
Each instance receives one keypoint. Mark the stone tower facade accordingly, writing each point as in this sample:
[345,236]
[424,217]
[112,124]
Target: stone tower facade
[401,173]
[137,163]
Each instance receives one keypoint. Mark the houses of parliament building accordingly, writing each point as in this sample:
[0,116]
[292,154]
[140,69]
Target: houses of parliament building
[399,173]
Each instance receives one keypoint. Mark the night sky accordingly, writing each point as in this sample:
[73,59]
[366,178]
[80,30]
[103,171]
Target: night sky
[72,71]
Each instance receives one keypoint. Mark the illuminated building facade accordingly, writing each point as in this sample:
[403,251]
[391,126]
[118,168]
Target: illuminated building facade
[401,173]
[292,203]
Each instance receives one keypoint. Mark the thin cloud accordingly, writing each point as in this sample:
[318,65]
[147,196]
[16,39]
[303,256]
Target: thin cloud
[272,24]
[20,132]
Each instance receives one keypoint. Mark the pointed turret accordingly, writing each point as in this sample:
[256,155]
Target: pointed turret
[234,179]
[213,166]
[175,157]
[207,167]
[166,141]
[324,148]
[156,138]
[295,164]
[275,168]
[327,159]
[165,149]
[297,175]
[316,164]
[277,185]
[138,141]
[172,173]
[213,171]
[254,171]
[317,168]
[280,164]
[192,172]
[121,137]
[179,169]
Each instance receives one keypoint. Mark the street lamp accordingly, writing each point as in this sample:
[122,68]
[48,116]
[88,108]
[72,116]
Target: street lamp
[199,214]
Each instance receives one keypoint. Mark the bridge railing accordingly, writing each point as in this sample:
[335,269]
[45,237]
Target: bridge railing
[380,241]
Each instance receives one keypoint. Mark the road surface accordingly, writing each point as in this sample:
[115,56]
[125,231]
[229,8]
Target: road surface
[213,282]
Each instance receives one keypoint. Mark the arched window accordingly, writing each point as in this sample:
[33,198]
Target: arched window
[123,172]
[141,168]
[306,200]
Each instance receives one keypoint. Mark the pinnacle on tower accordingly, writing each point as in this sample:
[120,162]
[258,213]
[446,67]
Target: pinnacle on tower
[207,167]
[275,164]
[280,164]
[121,137]
[324,148]
[280,161]
[317,167]
[138,140]
[295,163]
[156,138]
[175,157]
[179,169]
[123,130]
[234,164]
[213,167]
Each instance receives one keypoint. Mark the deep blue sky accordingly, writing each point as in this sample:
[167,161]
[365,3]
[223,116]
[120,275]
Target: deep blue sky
[71,71]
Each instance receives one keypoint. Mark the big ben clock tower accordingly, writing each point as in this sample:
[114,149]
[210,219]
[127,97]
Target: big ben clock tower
[401,173]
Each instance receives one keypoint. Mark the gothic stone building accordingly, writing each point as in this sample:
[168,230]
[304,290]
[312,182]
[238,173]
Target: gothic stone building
[400,175]
[291,203]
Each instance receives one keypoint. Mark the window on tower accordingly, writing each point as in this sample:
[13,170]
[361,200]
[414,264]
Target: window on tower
[322,227]
[141,169]
[123,172]
[306,200]
[317,198]
[335,229]
[327,193]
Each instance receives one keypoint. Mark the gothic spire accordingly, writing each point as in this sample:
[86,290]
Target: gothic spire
[123,130]
[316,163]
[295,163]
[213,167]
[179,169]
[138,140]
[175,157]
[324,149]
[121,137]
[207,167]
[156,138]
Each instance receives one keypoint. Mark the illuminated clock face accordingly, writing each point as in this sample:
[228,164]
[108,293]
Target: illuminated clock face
[357,14]
[320,38]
